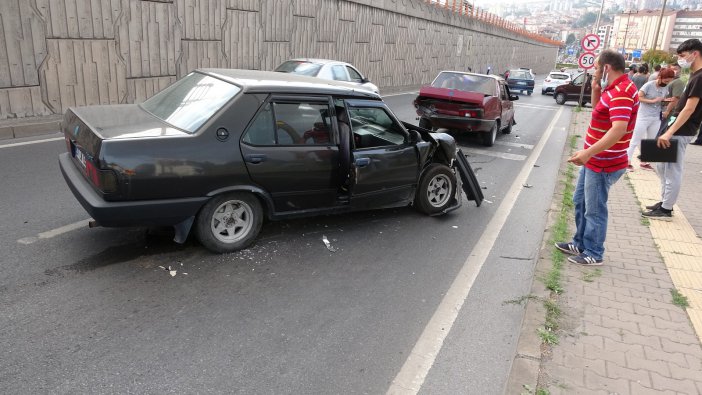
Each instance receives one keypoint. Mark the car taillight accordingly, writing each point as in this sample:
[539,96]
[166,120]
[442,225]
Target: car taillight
[548,80]
[469,113]
[104,180]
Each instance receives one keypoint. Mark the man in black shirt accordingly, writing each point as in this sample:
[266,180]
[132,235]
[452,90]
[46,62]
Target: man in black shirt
[684,122]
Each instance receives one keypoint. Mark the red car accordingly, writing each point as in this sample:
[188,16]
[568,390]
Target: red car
[467,102]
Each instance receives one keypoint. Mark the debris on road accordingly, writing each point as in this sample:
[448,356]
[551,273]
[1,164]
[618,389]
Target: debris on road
[328,244]
[527,185]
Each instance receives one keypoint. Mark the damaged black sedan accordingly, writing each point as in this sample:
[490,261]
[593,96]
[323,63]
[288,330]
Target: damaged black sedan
[221,150]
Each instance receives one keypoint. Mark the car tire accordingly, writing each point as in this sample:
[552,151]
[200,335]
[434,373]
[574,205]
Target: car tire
[490,136]
[237,212]
[561,98]
[436,189]
[543,92]
[508,129]
[529,93]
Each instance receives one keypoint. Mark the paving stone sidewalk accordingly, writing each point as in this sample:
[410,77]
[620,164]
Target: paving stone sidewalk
[620,332]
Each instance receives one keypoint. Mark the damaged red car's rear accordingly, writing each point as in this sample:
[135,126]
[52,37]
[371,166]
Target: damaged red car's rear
[467,102]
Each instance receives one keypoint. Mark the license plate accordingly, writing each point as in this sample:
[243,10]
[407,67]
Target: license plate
[521,83]
[80,156]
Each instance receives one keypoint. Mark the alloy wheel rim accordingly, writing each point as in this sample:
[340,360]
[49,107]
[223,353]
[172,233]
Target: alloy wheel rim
[232,221]
[439,190]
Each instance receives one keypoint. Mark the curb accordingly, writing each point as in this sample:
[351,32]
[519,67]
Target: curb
[29,127]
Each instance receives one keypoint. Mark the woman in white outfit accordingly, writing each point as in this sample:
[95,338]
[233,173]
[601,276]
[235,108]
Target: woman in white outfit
[648,120]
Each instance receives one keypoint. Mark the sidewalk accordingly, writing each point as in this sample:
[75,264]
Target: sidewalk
[619,331]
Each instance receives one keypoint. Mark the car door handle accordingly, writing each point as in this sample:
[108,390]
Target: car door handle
[362,162]
[255,158]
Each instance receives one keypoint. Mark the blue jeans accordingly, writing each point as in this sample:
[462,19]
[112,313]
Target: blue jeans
[590,199]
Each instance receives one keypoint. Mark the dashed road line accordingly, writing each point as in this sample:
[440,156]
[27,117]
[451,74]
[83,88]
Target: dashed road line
[55,232]
[511,144]
[495,154]
[30,142]
[537,106]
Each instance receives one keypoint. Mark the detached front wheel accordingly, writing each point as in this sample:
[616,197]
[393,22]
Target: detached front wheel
[436,189]
[229,222]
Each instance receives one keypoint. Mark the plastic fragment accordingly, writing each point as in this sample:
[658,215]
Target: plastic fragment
[527,185]
[328,244]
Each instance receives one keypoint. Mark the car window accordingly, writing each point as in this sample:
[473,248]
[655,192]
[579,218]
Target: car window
[354,75]
[374,127]
[579,79]
[559,76]
[300,123]
[465,82]
[191,101]
[520,74]
[299,67]
[503,93]
[339,73]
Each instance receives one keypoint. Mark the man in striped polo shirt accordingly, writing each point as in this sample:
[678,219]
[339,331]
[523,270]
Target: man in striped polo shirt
[615,102]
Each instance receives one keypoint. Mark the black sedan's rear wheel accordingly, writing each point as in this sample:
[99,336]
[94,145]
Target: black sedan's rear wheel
[436,189]
[229,222]
[561,98]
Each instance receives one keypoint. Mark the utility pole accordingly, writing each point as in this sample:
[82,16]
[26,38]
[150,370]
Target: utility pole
[658,25]
[599,16]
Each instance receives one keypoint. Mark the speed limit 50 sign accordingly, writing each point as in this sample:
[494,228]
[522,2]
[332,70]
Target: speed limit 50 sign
[587,60]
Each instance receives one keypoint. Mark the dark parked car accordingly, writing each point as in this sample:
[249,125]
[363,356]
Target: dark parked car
[220,150]
[520,80]
[571,91]
[467,102]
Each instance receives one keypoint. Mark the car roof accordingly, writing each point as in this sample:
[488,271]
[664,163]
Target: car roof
[496,77]
[560,72]
[256,81]
[316,60]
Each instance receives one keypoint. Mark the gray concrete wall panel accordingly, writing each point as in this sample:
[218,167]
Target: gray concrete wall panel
[60,53]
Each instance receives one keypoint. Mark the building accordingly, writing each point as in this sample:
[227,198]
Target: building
[634,32]
[688,24]
[605,33]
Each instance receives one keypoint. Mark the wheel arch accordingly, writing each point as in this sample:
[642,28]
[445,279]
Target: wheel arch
[263,196]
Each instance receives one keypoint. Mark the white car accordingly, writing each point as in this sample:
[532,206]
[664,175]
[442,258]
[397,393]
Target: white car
[554,79]
[328,70]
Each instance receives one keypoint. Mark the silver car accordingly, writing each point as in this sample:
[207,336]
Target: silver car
[328,70]
[553,80]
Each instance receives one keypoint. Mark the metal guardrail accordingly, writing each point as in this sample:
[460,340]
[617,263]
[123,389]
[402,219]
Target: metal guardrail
[466,9]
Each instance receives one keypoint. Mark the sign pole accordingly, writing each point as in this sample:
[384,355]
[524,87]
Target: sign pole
[589,43]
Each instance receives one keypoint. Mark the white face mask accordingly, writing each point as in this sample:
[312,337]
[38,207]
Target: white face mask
[684,63]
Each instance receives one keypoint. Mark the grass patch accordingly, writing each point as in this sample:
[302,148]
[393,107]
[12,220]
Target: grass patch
[645,221]
[520,300]
[577,108]
[547,336]
[591,275]
[553,314]
[679,299]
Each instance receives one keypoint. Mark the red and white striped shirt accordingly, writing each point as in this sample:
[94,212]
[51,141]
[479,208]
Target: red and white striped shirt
[619,102]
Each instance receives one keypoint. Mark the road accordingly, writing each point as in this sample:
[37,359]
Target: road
[93,310]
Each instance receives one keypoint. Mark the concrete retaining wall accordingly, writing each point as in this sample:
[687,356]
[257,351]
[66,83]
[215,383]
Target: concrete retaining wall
[60,53]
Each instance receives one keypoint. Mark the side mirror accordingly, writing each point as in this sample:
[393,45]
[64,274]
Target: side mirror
[414,136]
[364,80]
[513,97]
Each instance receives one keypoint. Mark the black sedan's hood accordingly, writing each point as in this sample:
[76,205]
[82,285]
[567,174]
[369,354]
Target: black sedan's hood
[123,122]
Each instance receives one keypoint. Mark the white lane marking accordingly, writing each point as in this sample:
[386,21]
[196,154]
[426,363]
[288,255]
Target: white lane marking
[415,369]
[538,106]
[30,142]
[511,144]
[55,232]
[496,154]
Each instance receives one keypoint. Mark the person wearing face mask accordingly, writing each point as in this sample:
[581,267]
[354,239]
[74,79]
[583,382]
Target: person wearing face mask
[675,90]
[648,121]
[683,123]
[615,104]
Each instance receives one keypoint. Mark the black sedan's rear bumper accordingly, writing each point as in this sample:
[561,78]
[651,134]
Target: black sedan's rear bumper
[161,212]
[460,124]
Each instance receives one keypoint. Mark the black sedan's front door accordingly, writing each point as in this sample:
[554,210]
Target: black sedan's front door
[385,162]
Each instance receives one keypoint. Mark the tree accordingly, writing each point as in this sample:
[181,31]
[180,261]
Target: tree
[570,39]
[658,56]
[587,19]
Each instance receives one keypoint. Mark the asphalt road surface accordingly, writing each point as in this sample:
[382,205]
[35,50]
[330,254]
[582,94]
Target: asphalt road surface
[93,310]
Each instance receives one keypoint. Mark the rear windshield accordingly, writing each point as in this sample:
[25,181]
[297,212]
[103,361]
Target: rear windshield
[191,101]
[520,74]
[559,76]
[299,67]
[465,82]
